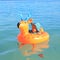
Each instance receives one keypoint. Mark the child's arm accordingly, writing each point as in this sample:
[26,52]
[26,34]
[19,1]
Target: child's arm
[41,30]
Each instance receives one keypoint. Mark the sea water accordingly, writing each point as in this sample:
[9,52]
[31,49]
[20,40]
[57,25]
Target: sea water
[47,13]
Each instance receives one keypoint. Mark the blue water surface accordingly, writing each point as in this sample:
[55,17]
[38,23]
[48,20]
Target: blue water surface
[47,13]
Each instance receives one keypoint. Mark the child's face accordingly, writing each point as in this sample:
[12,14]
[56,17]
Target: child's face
[34,30]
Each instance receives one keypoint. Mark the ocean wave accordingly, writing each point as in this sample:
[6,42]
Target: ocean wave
[7,51]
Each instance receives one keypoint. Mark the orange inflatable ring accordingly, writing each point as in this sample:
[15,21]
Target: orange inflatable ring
[24,37]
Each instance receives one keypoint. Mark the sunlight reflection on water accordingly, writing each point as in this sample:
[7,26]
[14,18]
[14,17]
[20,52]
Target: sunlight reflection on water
[27,49]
